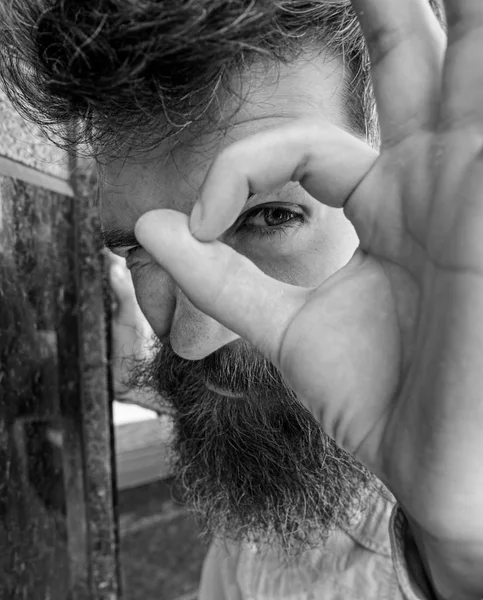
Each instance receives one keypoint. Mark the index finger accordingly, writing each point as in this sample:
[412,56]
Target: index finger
[406,46]
[328,162]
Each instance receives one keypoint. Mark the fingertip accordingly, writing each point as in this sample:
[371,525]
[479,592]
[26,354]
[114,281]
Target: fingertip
[196,219]
[155,226]
[143,225]
[199,228]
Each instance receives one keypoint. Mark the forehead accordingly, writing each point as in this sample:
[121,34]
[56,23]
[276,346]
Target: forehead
[170,175]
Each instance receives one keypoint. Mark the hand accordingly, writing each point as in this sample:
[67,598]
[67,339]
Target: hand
[388,353]
[126,308]
[130,331]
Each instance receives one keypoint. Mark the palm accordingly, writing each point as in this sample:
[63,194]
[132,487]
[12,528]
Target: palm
[361,325]
[377,372]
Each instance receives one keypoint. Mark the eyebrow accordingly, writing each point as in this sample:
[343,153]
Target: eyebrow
[118,237]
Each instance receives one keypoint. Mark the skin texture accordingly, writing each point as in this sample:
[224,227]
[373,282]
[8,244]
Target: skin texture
[254,463]
[386,354]
[169,178]
[401,324]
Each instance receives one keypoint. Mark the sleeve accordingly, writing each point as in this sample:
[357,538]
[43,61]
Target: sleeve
[218,576]
[410,573]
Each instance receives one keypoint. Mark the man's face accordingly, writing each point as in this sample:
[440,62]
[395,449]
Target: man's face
[255,462]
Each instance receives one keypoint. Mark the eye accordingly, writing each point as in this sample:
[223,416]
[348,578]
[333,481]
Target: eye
[268,219]
[270,216]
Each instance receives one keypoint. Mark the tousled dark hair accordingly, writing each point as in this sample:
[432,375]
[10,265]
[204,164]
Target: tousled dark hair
[117,70]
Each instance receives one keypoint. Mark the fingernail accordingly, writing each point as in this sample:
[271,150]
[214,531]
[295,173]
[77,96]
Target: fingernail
[196,218]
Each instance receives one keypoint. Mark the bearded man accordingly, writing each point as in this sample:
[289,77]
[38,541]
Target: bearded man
[254,119]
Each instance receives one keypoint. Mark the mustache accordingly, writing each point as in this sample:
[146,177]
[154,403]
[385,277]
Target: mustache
[237,367]
[258,468]
[240,368]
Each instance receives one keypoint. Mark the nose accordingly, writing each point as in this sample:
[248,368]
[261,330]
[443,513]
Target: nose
[193,334]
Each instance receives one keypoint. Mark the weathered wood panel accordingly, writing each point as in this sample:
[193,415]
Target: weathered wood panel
[58,533]
[45,546]
[93,306]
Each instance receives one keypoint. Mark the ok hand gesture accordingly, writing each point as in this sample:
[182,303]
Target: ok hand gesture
[387,353]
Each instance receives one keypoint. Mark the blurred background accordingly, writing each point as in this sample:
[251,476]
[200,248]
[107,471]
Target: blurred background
[88,506]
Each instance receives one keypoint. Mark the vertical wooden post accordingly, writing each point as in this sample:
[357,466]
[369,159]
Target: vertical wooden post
[58,525]
[98,444]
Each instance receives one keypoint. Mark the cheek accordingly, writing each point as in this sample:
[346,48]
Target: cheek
[155,295]
[316,255]
[329,247]
[305,269]
[341,240]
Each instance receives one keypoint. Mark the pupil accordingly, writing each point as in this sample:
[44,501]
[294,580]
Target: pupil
[275,216]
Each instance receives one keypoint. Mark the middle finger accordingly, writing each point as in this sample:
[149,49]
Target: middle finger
[463,75]
[406,46]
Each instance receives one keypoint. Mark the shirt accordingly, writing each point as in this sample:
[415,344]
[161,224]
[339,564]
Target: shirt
[366,560]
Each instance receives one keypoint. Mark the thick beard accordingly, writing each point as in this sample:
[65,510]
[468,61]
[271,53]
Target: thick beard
[257,468]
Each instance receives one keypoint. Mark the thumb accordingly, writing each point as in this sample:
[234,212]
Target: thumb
[220,282]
